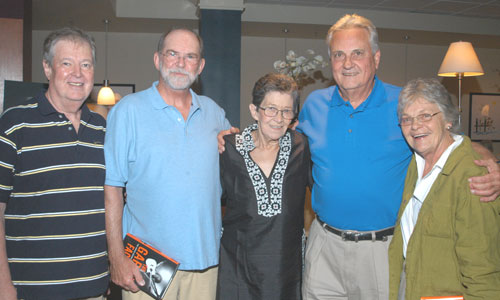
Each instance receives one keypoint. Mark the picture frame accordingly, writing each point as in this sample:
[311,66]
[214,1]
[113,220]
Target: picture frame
[16,92]
[121,88]
[484,117]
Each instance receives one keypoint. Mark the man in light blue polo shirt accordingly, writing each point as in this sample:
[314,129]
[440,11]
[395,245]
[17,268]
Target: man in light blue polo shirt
[360,159]
[161,145]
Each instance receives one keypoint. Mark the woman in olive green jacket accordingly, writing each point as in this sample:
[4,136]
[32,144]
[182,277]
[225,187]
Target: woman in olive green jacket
[446,242]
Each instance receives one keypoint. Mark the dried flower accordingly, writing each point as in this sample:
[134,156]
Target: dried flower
[299,67]
[291,55]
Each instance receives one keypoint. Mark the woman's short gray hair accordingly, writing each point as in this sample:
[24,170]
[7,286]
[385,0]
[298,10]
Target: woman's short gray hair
[274,82]
[354,21]
[433,91]
[66,34]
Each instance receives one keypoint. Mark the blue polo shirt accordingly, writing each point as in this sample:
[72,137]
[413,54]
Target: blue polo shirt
[170,168]
[360,157]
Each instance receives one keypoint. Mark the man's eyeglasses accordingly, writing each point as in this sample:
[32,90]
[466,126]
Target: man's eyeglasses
[422,118]
[273,112]
[174,56]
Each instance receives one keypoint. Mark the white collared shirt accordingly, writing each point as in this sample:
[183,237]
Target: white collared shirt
[422,188]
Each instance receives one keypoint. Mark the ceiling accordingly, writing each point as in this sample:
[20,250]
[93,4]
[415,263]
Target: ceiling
[465,8]
[89,15]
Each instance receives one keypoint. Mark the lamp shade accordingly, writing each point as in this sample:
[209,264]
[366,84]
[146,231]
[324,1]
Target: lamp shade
[460,59]
[106,96]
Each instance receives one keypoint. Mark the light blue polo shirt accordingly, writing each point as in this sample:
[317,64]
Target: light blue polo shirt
[170,168]
[360,157]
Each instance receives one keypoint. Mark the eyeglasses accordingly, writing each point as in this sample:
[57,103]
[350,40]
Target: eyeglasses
[357,54]
[174,56]
[273,112]
[422,118]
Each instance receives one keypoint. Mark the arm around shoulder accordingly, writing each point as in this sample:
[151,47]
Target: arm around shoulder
[486,186]
[220,138]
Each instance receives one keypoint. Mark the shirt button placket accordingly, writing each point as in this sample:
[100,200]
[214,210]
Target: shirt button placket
[350,125]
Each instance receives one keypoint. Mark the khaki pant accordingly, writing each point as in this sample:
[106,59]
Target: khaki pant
[337,269]
[187,285]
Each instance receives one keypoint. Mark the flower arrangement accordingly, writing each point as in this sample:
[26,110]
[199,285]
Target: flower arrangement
[299,68]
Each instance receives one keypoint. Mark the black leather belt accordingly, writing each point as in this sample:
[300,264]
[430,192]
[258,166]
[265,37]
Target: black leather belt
[356,236]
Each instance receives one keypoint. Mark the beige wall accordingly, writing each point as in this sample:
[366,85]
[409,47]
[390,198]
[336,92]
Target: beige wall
[130,61]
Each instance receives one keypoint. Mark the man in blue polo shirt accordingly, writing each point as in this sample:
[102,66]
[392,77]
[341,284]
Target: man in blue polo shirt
[360,160]
[161,145]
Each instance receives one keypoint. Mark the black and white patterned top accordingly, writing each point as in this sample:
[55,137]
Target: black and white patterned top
[244,144]
[261,248]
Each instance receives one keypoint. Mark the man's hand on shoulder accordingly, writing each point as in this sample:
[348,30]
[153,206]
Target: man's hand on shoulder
[125,273]
[220,137]
[486,186]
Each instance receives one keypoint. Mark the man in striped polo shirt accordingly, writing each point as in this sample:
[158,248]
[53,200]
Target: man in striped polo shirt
[52,236]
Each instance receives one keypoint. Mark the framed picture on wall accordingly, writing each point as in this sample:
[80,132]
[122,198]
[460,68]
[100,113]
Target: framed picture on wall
[122,89]
[16,92]
[484,117]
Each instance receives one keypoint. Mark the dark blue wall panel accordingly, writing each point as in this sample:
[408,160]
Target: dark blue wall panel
[220,80]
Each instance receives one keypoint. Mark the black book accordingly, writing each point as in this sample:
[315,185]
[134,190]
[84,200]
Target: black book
[157,269]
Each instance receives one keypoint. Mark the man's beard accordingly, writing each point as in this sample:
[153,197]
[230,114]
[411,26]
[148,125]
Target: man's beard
[177,82]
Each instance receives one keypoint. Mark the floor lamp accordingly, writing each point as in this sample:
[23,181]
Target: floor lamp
[460,61]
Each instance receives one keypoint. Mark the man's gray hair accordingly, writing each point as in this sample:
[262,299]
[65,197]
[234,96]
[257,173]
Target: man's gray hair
[66,34]
[433,91]
[354,21]
[164,36]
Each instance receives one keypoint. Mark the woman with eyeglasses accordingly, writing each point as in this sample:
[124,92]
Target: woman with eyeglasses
[446,242]
[264,174]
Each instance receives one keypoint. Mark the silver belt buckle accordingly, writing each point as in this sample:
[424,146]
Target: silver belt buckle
[349,232]
[356,236]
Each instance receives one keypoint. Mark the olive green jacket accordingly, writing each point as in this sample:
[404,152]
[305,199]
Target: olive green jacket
[455,246]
